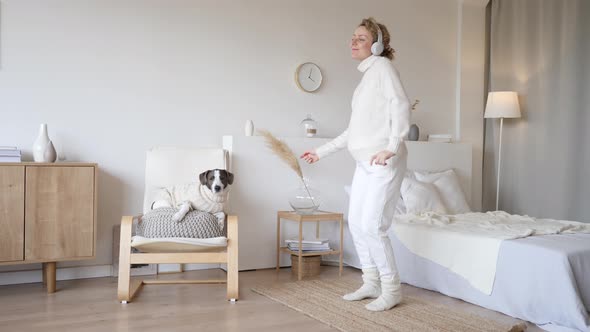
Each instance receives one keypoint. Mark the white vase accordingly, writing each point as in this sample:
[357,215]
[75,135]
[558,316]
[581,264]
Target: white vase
[40,144]
[249,128]
[49,155]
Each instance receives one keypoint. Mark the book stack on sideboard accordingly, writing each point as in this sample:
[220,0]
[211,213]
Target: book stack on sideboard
[9,154]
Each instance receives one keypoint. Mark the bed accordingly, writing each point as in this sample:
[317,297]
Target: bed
[541,279]
[544,279]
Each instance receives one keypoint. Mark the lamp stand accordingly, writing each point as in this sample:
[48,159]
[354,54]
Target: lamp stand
[499,164]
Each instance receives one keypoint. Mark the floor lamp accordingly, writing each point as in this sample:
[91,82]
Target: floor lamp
[501,104]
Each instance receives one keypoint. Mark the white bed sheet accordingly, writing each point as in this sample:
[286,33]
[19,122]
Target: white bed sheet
[468,244]
[540,279]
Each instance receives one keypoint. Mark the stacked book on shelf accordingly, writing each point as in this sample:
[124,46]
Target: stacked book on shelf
[309,245]
[9,154]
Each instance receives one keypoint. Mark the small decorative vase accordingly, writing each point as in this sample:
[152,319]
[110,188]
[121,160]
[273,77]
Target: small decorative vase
[249,128]
[40,144]
[49,155]
[305,199]
[414,133]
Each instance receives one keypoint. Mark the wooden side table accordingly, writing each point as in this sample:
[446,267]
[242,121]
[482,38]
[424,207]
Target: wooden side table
[317,217]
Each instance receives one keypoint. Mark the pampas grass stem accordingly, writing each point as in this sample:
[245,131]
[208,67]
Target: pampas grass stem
[284,152]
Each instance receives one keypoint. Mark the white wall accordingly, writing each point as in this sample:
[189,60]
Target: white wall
[114,77]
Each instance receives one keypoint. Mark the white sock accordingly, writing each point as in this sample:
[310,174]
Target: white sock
[391,295]
[369,289]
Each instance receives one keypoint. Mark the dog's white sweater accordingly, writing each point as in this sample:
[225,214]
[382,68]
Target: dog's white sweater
[380,118]
[200,197]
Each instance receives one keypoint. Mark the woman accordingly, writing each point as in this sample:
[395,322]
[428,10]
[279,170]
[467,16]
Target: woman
[375,137]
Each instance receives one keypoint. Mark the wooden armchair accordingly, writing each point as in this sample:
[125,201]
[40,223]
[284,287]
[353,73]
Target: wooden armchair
[165,167]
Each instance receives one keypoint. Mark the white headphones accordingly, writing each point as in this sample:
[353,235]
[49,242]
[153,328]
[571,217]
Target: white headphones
[377,47]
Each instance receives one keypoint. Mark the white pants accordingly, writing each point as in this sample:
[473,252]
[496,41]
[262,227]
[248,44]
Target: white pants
[373,197]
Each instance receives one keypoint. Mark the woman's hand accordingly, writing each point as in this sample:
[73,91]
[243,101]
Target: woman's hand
[310,156]
[381,157]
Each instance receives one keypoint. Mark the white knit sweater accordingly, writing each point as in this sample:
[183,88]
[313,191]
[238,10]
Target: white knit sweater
[200,197]
[380,117]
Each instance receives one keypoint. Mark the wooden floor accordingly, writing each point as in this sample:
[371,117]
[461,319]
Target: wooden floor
[90,305]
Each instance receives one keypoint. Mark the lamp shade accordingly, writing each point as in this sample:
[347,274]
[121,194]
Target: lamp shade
[502,104]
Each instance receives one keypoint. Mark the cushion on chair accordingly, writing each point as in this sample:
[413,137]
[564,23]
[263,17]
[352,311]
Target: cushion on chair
[175,244]
[158,223]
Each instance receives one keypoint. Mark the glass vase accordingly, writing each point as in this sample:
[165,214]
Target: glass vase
[310,126]
[305,199]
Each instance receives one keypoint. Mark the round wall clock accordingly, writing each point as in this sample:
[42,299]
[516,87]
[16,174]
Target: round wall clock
[308,77]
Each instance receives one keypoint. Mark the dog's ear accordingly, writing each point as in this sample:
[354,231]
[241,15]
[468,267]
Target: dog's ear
[230,178]
[203,177]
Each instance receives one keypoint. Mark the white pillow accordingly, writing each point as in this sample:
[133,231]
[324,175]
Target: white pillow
[421,197]
[410,174]
[400,207]
[429,177]
[449,188]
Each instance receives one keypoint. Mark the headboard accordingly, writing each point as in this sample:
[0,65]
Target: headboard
[436,157]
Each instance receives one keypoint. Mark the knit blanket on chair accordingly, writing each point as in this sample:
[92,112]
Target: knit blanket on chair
[196,224]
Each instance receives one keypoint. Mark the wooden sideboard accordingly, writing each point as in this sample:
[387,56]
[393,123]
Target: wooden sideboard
[47,214]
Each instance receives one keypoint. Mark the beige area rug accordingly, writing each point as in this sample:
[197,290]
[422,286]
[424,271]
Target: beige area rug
[322,300]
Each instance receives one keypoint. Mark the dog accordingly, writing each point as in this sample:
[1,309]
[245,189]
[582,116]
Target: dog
[208,195]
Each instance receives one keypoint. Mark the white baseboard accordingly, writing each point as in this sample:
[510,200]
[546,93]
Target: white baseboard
[84,272]
[173,268]
[329,262]
[193,267]
[65,273]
